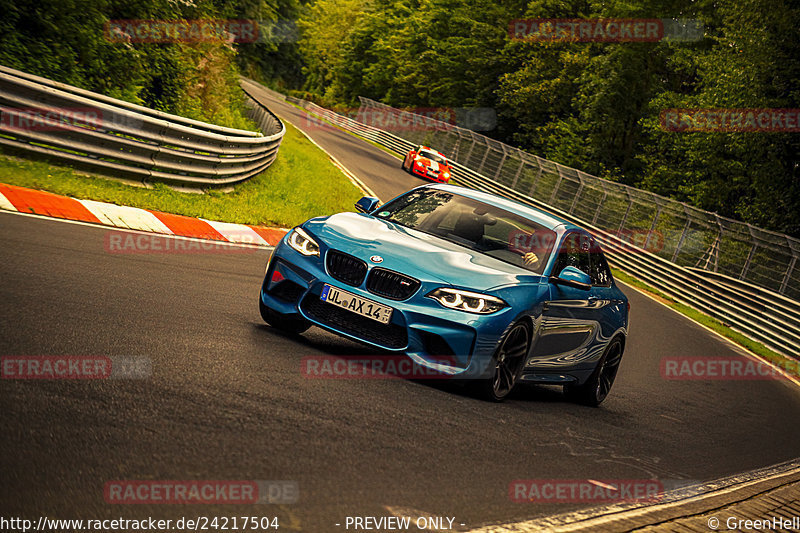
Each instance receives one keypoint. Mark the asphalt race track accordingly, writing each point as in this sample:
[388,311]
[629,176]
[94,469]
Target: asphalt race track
[227,401]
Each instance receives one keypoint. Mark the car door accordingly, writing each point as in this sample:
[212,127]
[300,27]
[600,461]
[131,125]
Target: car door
[611,310]
[570,318]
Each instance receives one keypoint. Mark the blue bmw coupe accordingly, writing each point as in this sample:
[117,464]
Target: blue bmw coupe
[465,283]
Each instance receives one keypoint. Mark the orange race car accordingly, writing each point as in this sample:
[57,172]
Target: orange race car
[427,163]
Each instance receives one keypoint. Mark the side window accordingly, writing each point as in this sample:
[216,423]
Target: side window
[574,252]
[600,273]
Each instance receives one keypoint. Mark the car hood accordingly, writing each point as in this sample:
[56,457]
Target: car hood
[433,165]
[415,253]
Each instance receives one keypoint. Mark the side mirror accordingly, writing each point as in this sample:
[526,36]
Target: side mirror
[573,277]
[367,204]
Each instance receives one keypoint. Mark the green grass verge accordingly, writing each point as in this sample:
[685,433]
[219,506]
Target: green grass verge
[707,321]
[301,183]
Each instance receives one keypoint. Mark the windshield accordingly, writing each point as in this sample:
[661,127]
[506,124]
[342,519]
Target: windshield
[481,227]
[433,156]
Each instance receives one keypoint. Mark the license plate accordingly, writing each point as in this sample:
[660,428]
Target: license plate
[433,174]
[356,304]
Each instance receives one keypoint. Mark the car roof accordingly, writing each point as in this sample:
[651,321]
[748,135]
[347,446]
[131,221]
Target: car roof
[537,215]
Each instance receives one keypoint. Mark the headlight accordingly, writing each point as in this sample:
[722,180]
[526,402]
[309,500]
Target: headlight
[446,174]
[300,241]
[471,302]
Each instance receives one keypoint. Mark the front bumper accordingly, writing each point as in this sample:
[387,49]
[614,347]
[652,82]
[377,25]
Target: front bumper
[423,173]
[449,341]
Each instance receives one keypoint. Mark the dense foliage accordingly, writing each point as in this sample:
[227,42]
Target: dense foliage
[68,40]
[594,106]
[590,105]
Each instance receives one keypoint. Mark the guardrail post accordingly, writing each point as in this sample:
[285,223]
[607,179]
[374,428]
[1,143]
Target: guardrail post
[599,207]
[535,183]
[788,276]
[625,216]
[747,263]
[558,184]
[519,171]
[713,252]
[502,162]
[454,151]
[577,195]
[485,155]
[683,237]
[652,227]
[469,153]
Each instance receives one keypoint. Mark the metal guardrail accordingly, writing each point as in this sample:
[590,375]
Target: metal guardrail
[759,320]
[55,120]
[758,313]
[689,236]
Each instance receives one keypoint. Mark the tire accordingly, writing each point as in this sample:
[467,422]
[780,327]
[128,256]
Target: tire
[507,363]
[597,387]
[293,326]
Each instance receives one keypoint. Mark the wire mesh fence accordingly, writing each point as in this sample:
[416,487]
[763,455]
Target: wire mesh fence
[673,230]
